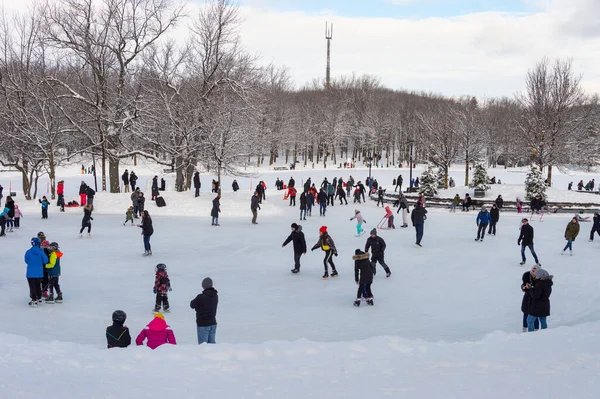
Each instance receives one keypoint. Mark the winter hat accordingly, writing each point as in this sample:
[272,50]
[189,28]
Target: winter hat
[358,252]
[207,283]
[294,225]
[16,206]
[159,315]
[483,208]
[543,274]
[356,211]
[373,232]
[323,229]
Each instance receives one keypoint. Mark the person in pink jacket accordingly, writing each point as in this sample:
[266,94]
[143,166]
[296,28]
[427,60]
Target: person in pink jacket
[157,332]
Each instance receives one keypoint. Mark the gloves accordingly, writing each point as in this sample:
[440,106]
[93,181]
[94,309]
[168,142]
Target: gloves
[154,291]
[312,249]
[518,242]
[335,254]
[364,221]
[170,289]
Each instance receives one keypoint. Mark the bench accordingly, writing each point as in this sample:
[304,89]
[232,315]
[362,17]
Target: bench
[168,170]
[280,168]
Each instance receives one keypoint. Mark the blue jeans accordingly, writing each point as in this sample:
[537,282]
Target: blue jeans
[207,334]
[301,212]
[536,322]
[322,207]
[419,230]
[215,220]
[523,246]
[569,245]
[531,320]
[147,243]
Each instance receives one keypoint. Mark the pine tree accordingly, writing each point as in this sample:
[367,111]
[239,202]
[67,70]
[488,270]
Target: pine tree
[428,182]
[441,181]
[535,184]
[480,180]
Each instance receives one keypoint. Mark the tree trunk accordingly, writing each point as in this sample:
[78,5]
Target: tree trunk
[549,175]
[219,178]
[103,167]
[113,170]
[467,169]
[52,174]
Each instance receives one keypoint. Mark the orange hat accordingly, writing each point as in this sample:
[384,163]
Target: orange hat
[159,315]
[323,229]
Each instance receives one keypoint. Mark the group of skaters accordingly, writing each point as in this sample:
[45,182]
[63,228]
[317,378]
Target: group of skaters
[43,271]
[10,217]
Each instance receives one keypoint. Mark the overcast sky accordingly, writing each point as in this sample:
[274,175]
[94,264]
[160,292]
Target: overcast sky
[451,47]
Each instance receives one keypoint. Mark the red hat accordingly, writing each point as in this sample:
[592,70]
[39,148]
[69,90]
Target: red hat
[323,229]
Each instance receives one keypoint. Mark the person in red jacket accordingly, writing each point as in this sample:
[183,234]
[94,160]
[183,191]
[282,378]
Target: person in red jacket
[60,191]
[292,195]
[157,332]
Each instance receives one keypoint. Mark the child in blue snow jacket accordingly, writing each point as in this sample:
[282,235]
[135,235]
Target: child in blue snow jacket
[483,219]
[45,204]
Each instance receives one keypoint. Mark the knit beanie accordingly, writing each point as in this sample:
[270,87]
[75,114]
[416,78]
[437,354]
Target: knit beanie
[159,315]
[543,274]
[207,283]
[373,232]
[323,229]
[358,252]
[294,226]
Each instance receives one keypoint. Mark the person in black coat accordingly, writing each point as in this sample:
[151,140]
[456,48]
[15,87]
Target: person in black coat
[361,188]
[86,221]
[595,226]
[291,182]
[499,202]
[418,217]
[205,305]
[254,206]
[377,246]
[261,192]
[341,194]
[125,178]
[132,180]
[362,266]
[526,241]
[235,186]
[322,199]
[155,188]
[307,184]
[117,335]
[303,205]
[90,193]
[297,237]
[528,280]
[467,202]
[141,201]
[147,231]
[214,212]
[197,184]
[495,215]
[539,306]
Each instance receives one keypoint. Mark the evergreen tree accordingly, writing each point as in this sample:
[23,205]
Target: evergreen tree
[535,184]
[441,181]
[428,182]
[480,180]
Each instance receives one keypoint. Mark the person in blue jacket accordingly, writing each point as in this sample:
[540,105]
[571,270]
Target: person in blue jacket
[36,258]
[483,219]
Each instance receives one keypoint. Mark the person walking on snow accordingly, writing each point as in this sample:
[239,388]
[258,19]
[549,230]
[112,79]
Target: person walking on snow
[214,212]
[297,237]
[398,183]
[303,200]
[377,246]
[125,178]
[525,240]
[595,226]
[571,233]
[132,180]
[292,194]
[18,216]
[322,199]
[205,305]
[147,231]
[86,221]
[483,219]
[328,246]
[359,222]
[60,191]
[197,184]
[495,216]
[403,206]
[157,332]
[362,266]
[418,217]
[162,286]
[254,205]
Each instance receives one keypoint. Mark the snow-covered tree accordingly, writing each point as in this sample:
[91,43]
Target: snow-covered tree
[441,178]
[428,183]
[480,179]
[535,184]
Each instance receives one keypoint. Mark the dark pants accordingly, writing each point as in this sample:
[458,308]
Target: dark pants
[197,192]
[2,225]
[343,199]
[378,258]
[419,231]
[61,201]
[264,196]
[297,260]
[132,183]
[330,199]
[328,260]
[44,213]
[88,225]
[45,280]
[135,211]
[54,285]
[492,229]
[309,209]
[17,222]
[481,230]
[35,288]
[536,323]
[292,200]
[380,201]
[364,291]
[161,299]
[147,246]
[363,196]
[254,215]
[594,230]
[322,208]
[140,210]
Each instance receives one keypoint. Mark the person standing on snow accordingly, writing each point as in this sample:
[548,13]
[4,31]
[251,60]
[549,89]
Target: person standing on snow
[528,282]
[292,194]
[403,206]
[525,240]
[254,205]
[260,189]
[132,180]
[205,305]
[571,233]
[216,209]
[398,183]
[82,193]
[125,178]
[197,184]
[418,217]
[377,246]
[291,182]
[499,202]
[328,246]
[483,219]
[53,269]
[539,306]
[362,265]
[155,192]
[322,199]
[495,216]
[60,190]
[330,193]
[35,258]
[303,203]
[157,332]
[147,231]
[162,286]
[297,237]
[380,193]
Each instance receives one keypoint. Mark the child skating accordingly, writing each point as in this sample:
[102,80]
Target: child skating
[45,204]
[359,222]
[162,286]
[362,267]
[53,269]
[328,246]
[128,215]
[86,221]
[18,216]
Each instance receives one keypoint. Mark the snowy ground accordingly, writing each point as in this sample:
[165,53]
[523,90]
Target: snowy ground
[445,325]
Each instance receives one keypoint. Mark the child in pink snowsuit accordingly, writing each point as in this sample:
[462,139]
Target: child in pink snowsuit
[519,204]
[359,221]
[18,216]
[157,332]
[389,215]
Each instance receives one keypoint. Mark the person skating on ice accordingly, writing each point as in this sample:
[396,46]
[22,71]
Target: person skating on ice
[359,222]
[341,193]
[35,258]
[214,212]
[86,221]
[482,220]
[53,269]
[380,193]
[328,246]
[363,275]
[525,240]
[418,217]
[539,305]
[255,206]
[147,231]
[162,286]
[128,215]
[571,233]
[495,217]
[595,226]
[299,242]
[528,280]
[303,201]
[141,202]
[322,197]
[117,335]
[377,246]
[404,207]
